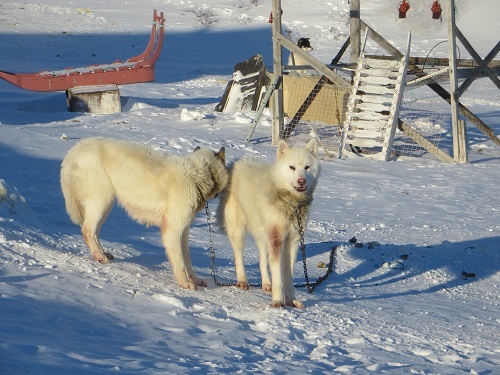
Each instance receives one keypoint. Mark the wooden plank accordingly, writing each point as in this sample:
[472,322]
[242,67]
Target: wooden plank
[381,41]
[366,133]
[363,124]
[381,64]
[372,80]
[277,97]
[342,50]
[316,64]
[372,98]
[355,28]
[482,67]
[379,73]
[396,104]
[374,107]
[441,61]
[371,116]
[381,90]
[458,142]
[364,142]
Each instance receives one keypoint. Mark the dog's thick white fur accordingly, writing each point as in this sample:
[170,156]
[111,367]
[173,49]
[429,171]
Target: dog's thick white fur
[155,188]
[265,199]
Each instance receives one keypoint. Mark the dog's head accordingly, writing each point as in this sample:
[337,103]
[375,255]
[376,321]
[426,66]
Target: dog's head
[214,163]
[304,44]
[298,167]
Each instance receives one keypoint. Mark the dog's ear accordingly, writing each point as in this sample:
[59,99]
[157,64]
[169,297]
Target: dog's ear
[196,149]
[222,154]
[312,146]
[282,148]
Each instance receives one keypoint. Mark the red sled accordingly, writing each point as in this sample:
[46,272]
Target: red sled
[136,69]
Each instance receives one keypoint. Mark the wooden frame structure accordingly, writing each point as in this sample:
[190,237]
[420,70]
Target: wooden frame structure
[357,26]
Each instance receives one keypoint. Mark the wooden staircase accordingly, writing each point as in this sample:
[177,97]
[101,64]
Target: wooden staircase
[373,108]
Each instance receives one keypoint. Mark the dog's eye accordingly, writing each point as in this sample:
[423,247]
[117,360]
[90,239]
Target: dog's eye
[292,167]
[307,167]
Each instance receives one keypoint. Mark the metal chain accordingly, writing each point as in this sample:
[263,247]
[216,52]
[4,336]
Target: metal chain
[310,287]
[212,252]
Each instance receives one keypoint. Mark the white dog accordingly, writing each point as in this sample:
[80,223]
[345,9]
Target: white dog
[266,199]
[153,187]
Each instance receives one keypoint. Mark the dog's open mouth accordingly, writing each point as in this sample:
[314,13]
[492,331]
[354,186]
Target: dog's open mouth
[300,189]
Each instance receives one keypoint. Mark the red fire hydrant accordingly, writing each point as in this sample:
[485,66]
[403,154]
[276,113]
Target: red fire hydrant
[403,7]
[436,10]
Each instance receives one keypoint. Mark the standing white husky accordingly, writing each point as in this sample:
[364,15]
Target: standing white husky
[266,199]
[153,187]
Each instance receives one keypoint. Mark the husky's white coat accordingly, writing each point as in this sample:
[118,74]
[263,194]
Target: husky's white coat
[265,199]
[154,188]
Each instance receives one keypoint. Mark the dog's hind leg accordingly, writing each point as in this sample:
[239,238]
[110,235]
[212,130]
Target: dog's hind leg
[191,275]
[237,239]
[95,215]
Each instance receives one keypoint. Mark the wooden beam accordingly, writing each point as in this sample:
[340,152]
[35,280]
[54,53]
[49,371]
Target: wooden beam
[316,64]
[483,66]
[381,41]
[341,52]
[459,148]
[277,98]
[355,29]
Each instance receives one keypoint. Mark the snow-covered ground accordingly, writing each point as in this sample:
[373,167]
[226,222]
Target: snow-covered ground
[421,296]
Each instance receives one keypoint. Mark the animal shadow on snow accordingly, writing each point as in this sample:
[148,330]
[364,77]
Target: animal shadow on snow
[446,265]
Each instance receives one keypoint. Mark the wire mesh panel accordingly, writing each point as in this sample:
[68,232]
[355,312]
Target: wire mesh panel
[313,106]
[428,115]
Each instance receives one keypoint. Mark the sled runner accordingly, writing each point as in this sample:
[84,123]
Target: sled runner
[136,69]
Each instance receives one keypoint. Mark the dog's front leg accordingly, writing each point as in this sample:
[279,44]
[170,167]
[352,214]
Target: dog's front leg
[191,275]
[276,266]
[289,259]
[171,235]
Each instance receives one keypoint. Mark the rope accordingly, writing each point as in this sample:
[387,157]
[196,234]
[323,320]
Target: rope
[310,286]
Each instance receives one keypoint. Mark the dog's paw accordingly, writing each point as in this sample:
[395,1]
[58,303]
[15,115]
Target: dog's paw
[295,303]
[267,288]
[243,285]
[188,285]
[103,259]
[198,281]
[277,304]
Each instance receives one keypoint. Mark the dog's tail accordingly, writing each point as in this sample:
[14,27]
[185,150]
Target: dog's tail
[73,205]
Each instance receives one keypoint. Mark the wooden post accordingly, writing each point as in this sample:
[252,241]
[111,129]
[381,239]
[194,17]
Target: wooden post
[355,30]
[458,127]
[277,100]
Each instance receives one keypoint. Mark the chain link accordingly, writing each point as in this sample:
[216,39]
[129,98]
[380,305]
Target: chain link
[212,251]
[310,287]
